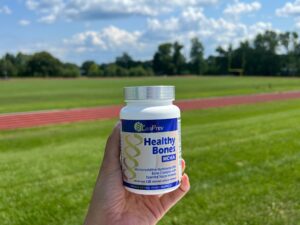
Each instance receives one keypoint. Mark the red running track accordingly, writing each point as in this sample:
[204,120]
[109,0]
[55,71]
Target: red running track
[34,119]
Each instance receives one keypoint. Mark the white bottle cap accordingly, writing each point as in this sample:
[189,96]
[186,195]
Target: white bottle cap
[149,93]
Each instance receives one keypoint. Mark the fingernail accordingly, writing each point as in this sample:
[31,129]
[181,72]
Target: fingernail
[185,182]
[118,124]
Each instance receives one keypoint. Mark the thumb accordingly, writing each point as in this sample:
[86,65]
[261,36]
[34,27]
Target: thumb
[111,159]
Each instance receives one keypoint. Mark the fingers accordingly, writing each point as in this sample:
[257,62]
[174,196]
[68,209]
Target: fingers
[183,165]
[170,199]
[111,160]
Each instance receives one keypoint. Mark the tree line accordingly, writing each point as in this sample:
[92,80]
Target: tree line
[270,53]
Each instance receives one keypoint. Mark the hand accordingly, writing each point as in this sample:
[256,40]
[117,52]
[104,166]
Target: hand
[112,204]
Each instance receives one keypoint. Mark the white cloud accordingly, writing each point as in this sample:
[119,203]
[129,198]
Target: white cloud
[49,10]
[24,22]
[5,10]
[171,24]
[192,14]
[239,8]
[212,31]
[109,38]
[260,27]
[52,10]
[111,41]
[289,9]
[192,20]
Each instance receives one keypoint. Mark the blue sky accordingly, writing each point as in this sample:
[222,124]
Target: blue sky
[100,30]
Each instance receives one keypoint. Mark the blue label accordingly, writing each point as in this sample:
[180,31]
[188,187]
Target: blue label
[151,187]
[168,158]
[149,126]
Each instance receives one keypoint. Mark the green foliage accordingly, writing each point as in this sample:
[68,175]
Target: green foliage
[86,66]
[168,60]
[178,59]
[138,72]
[21,63]
[290,61]
[7,68]
[43,64]
[125,61]
[162,61]
[94,71]
[260,56]
[113,70]
[70,70]
[197,57]
[91,69]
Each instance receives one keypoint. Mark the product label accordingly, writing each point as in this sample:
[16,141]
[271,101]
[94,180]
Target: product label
[151,153]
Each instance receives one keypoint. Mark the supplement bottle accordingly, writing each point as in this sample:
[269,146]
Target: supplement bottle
[150,140]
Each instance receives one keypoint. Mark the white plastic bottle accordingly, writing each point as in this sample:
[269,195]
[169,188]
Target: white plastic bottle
[150,140]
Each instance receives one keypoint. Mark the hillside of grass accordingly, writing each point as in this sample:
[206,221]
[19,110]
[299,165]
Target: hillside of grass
[243,163]
[46,94]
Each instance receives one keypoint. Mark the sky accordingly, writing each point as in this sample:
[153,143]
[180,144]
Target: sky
[100,30]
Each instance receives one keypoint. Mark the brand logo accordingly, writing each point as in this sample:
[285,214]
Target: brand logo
[140,127]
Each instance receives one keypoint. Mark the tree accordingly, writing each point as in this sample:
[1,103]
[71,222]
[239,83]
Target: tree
[113,70]
[295,41]
[110,70]
[7,69]
[284,39]
[21,63]
[240,59]
[260,56]
[267,42]
[85,67]
[163,60]
[289,61]
[125,61]
[43,64]
[138,71]
[222,60]
[178,59]
[197,57]
[70,70]
[211,66]
[245,53]
[94,71]
[265,53]
[91,69]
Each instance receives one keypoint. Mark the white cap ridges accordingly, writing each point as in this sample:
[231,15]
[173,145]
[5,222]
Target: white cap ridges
[149,93]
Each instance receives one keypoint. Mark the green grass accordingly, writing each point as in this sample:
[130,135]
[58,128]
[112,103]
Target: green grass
[39,94]
[243,162]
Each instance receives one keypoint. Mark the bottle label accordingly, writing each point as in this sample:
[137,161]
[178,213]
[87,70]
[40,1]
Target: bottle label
[151,153]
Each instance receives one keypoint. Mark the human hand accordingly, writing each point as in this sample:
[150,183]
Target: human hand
[112,204]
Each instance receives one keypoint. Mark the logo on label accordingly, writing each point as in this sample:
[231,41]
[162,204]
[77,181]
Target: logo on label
[139,127]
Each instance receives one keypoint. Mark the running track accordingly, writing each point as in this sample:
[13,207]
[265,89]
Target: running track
[42,118]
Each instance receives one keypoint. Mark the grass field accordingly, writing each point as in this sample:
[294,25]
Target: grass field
[243,162]
[39,94]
